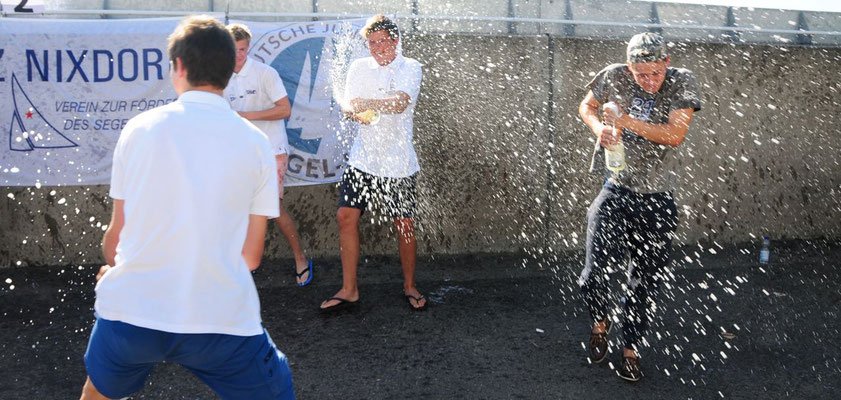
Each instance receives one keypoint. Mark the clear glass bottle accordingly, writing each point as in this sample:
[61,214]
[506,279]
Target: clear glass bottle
[614,155]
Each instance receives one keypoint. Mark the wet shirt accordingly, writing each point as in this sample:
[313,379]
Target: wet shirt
[651,167]
[385,149]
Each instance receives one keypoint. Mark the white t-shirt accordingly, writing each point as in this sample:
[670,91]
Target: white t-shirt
[257,87]
[385,149]
[190,173]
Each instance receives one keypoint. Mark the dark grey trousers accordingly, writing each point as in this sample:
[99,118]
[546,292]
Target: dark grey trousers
[626,229]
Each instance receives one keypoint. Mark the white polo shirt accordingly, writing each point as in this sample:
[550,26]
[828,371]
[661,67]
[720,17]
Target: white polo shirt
[257,87]
[385,149]
[190,173]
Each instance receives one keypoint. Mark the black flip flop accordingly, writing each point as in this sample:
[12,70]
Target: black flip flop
[343,304]
[417,300]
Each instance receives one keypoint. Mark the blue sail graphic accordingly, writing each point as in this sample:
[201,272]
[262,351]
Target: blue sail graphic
[25,135]
[298,66]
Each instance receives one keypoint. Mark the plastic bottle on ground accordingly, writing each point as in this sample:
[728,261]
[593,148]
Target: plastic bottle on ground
[765,252]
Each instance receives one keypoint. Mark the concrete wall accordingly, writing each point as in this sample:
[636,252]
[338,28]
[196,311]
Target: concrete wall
[760,158]
[504,171]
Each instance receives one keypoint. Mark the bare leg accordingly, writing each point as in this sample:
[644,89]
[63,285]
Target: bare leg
[348,219]
[286,224]
[407,246]
[290,232]
[89,392]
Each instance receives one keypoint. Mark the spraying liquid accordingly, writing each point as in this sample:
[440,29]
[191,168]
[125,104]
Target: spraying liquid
[614,155]
[344,47]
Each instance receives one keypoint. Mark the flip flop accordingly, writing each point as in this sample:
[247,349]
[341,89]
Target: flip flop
[300,274]
[417,300]
[343,304]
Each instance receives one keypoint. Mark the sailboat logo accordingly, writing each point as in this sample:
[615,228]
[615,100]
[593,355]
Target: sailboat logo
[298,67]
[30,130]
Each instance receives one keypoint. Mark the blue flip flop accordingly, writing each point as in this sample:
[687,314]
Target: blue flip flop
[300,274]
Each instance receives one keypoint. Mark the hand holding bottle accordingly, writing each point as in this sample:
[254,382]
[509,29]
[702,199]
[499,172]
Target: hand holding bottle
[610,135]
[610,113]
[614,155]
[364,111]
[368,117]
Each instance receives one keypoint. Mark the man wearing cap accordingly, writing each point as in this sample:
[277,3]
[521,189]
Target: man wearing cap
[634,216]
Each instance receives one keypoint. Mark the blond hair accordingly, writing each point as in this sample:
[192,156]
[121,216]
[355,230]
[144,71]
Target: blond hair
[380,22]
[240,32]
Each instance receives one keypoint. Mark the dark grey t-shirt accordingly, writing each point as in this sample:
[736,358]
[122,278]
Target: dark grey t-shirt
[651,167]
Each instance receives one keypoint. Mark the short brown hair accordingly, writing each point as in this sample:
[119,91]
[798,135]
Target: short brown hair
[206,50]
[380,22]
[240,32]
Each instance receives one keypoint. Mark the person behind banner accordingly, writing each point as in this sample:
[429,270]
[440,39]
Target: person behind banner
[382,166]
[648,105]
[193,185]
[257,93]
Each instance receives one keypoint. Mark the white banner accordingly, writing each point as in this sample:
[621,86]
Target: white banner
[312,59]
[70,86]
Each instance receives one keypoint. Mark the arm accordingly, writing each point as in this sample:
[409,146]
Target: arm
[669,134]
[391,105]
[282,109]
[112,237]
[112,234]
[589,111]
[255,239]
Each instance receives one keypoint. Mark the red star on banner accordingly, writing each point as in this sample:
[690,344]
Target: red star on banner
[29,115]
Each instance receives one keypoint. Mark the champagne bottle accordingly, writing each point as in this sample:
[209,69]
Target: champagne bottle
[614,155]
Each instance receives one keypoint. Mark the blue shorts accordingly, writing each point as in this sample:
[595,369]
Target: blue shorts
[120,357]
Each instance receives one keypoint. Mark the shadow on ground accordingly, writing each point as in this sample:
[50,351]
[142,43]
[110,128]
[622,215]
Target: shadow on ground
[499,327]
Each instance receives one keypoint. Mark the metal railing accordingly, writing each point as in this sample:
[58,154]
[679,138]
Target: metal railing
[510,21]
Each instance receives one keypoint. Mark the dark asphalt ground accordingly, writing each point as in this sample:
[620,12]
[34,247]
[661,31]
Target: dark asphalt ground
[728,329]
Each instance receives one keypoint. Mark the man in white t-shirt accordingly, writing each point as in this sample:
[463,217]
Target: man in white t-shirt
[193,186]
[257,93]
[382,167]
